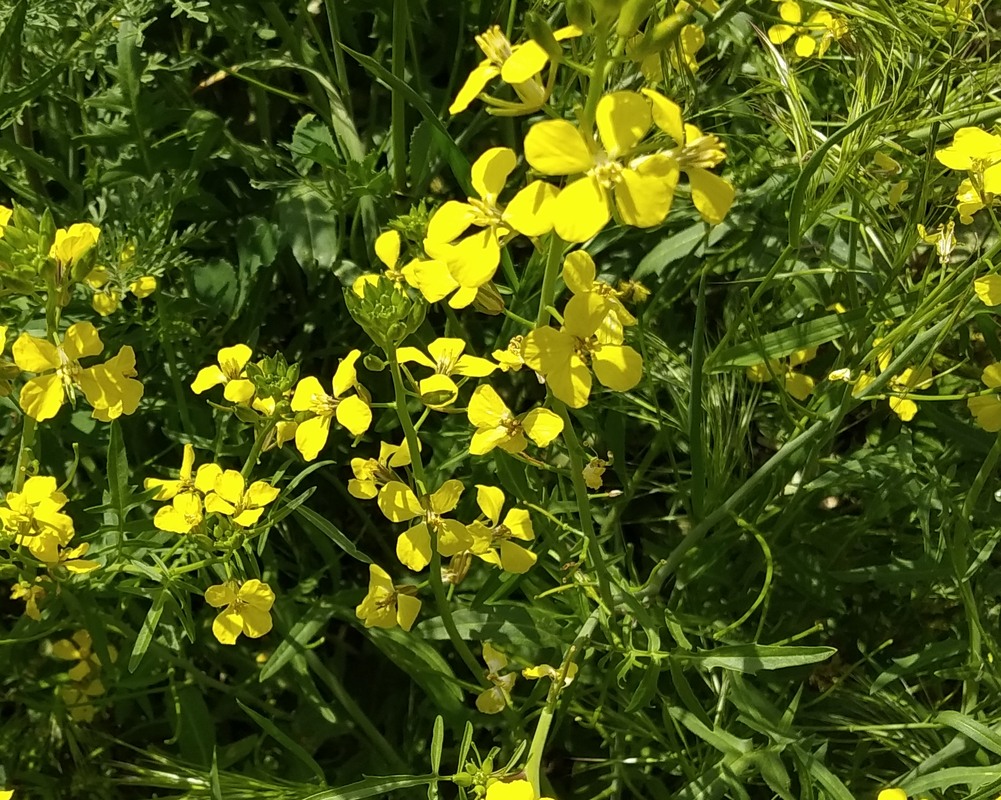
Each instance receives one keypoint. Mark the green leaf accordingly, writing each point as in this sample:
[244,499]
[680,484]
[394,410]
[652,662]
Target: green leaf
[296,640]
[119,489]
[293,747]
[975,731]
[309,226]
[372,787]
[752,658]
[328,528]
[148,629]
[10,39]
[312,140]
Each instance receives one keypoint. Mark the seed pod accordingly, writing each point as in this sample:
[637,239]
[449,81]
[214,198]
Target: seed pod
[633,14]
[661,36]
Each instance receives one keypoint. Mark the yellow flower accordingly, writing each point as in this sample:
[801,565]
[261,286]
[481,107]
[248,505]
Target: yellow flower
[498,696]
[5,215]
[973,150]
[565,357]
[517,65]
[892,794]
[492,542]
[72,560]
[692,37]
[821,23]
[943,237]
[74,243]
[509,359]
[352,412]
[795,383]
[247,609]
[42,397]
[580,276]
[439,390]
[143,287]
[496,426]
[183,515]
[386,605]
[30,593]
[371,473]
[904,383]
[413,547]
[232,497]
[77,696]
[969,201]
[553,673]
[107,298]
[229,371]
[387,250]
[986,409]
[184,494]
[167,488]
[34,517]
[473,261]
[110,387]
[518,789]
[80,648]
[594,472]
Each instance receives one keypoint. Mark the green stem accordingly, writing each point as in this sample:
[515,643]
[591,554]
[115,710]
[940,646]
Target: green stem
[553,258]
[538,746]
[596,83]
[24,452]
[259,439]
[576,454]
[437,585]
[398,109]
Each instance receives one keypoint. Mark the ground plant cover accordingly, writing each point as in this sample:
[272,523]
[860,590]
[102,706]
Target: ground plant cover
[500,400]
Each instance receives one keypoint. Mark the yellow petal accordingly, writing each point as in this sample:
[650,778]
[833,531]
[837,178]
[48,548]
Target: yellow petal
[222,594]
[450,221]
[988,289]
[780,34]
[475,83]
[413,548]
[486,439]
[446,498]
[542,426]
[490,499]
[903,407]
[256,622]
[579,272]
[986,411]
[143,287]
[493,701]
[530,212]
[618,367]
[991,376]
[438,391]
[892,794]
[354,414]
[311,435]
[519,524]
[346,375]
[239,391]
[489,173]
[257,593]
[544,348]
[206,477]
[42,397]
[474,367]
[555,147]
[474,260]
[486,409]
[969,144]
[645,200]
[805,46]
[570,382]
[525,62]
[387,248]
[407,609]
[35,355]
[798,385]
[790,11]
[623,119]
[581,210]
[227,626]
[398,502]
[666,115]
[711,194]
[516,559]
[261,493]
[206,378]
[431,278]
[452,537]
[233,359]
[584,314]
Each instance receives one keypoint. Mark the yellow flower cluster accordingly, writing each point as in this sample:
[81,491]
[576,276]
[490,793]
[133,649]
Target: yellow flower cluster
[246,608]
[85,676]
[813,37]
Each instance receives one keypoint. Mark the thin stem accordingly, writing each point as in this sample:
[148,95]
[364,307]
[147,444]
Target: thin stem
[549,279]
[437,584]
[24,452]
[259,439]
[398,108]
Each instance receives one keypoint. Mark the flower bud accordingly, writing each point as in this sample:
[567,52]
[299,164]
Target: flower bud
[632,16]
[579,14]
[660,37]
[385,311]
[540,32]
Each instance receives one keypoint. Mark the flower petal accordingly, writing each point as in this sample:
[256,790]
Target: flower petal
[398,502]
[452,537]
[257,593]
[42,397]
[644,200]
[579,272]
[525,62]
[449,222]
[346,375]
[490,499]
[222,594]
[516,559]
[986,411]
[780,34]
[475,83]
[556,147]
[489,174]
[446,498]
[228,625]
[82,340]
[354,414]
[623,119]
[666,115]
[387,248]
[407,609]
[311,435]
[618,367]
[233,359]
[438,391]
[711,194]
[413,548]
[206,378]
[530,212]
[581,210]
[542,426]
[486,409]
[35,355]
[239,391]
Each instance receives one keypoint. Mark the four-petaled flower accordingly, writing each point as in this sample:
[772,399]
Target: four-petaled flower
[496,426]
[986,409]
[439,390]
[371,473]
[783,371]
[822,24]
[581,277]
[386,605]
[74,243]
[471,262]
[566,356]
[492,542]
[230,372]
[978,153]
[518,65]
[352,412]
[413,547]
[30,594]
[498,696]
[247,609]
[34,517]
[231,496]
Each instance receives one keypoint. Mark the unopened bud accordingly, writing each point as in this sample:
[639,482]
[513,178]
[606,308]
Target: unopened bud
[540,32]
[633,14]
[579,14]
[661,36]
